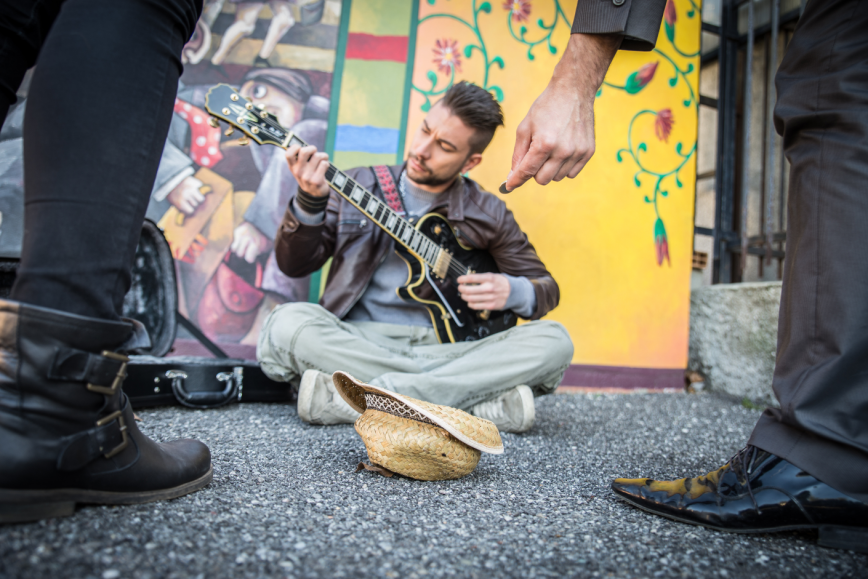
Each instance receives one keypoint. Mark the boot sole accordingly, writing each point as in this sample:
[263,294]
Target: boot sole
[829,536]
[21,506]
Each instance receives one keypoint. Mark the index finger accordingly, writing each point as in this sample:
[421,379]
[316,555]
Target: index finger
[292,152]
[527,167]
[522,144]
[473,278]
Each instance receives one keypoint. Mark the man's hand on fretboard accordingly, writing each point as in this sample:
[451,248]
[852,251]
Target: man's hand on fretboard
[309,168]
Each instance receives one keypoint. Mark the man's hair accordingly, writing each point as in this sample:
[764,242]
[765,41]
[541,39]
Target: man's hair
[477,108]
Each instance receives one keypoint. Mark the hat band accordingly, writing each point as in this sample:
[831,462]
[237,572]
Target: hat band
[395,408]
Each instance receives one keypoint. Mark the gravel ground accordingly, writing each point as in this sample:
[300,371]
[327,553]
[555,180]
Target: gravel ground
[286,502]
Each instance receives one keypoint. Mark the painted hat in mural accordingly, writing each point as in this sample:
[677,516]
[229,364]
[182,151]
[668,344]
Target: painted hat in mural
[415,438]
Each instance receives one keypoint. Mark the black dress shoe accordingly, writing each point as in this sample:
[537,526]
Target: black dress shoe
[67,432]
[755,492]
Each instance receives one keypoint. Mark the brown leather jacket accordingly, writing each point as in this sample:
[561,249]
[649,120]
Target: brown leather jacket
[358,246]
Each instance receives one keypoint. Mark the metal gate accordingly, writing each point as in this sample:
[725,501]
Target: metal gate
[742,176]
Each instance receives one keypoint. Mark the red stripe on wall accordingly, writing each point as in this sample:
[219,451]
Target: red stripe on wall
[369,47]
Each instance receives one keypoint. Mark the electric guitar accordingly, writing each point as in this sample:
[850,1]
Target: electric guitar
[435,255]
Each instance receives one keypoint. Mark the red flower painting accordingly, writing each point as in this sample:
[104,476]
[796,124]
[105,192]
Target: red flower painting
[520,9]
[661,243]
[663,124]
[640,79]
[447,57]
[669,18]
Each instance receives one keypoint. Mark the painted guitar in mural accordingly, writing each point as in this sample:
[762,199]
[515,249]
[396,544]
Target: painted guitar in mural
[432,250]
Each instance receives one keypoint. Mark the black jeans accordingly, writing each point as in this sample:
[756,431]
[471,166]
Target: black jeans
[97,116]
[821,373]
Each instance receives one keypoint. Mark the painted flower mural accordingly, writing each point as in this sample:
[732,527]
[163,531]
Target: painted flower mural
[520,9]
[664,121]
[669,19]
[661,243]
[447,57]
[448,61]
[640,79]
[663,124]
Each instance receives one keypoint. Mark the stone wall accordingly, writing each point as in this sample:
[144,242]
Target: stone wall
[733,337]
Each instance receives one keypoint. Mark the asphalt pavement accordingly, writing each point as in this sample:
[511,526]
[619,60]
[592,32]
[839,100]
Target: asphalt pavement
[286,501]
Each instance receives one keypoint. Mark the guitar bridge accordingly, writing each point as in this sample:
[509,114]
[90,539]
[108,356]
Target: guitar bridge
[441,266]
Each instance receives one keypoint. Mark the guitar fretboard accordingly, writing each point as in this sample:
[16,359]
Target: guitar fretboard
[438,259]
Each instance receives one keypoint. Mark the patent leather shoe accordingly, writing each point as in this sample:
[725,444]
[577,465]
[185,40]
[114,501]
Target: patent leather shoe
[755,492]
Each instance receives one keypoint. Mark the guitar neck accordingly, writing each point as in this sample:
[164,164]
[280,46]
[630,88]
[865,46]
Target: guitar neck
[224,102]
[416,242]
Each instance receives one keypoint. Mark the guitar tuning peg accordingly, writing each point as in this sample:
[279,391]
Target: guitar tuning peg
[229,131]
[244,141]
[214,122]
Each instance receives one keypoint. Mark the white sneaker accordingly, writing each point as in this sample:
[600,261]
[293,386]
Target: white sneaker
[320,403]
[512,411]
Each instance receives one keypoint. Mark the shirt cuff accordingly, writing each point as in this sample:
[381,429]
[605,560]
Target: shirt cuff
[305,217]
[522,297]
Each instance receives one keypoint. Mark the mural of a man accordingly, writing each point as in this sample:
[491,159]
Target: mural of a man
[289,95]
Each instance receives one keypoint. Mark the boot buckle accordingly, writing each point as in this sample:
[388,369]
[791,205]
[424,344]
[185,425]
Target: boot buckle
[119,378]
[125,438]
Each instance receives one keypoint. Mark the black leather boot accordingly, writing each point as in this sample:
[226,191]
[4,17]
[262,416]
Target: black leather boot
[755,492]
[67,433]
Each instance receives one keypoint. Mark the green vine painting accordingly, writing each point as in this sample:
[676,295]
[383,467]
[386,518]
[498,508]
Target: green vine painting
[449,56]
[663,122]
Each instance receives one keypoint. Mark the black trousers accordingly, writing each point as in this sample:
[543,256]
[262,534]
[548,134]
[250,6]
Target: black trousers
[97,116]
[821,375]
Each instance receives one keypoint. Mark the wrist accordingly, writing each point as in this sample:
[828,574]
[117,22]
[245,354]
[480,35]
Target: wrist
[311,203]
[585,62]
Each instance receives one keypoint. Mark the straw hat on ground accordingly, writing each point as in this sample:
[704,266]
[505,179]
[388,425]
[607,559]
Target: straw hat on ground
[415,438]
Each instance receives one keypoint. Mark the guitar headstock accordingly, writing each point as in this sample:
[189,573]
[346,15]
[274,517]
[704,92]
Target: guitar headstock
[223,102]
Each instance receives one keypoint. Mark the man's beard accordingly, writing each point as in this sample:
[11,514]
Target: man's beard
[430,178]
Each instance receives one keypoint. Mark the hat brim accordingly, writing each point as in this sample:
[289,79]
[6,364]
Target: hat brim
[475,432]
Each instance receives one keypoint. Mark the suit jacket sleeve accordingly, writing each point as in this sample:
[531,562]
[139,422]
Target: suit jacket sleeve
[638,21]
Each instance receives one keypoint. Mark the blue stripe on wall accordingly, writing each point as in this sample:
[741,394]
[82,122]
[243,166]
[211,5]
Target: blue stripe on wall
[366,139]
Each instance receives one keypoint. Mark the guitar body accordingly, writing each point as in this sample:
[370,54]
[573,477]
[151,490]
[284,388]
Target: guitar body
[453,320]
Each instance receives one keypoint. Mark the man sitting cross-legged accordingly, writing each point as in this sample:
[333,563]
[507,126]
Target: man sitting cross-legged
[363,327]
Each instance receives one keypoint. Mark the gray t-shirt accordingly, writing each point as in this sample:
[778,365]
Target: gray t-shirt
[381,303]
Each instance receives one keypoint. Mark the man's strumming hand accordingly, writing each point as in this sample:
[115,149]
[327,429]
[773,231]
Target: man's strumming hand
[556,138]
[484,291]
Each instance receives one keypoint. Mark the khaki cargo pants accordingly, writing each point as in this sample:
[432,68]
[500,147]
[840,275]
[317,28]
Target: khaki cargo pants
[409,360]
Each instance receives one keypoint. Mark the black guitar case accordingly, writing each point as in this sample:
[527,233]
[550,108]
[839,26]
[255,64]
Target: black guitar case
[200,382]
[195,382]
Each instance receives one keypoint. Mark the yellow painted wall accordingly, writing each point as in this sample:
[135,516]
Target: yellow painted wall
[595,233]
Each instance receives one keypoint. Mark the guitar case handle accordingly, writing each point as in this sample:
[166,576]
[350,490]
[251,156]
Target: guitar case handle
[203,400]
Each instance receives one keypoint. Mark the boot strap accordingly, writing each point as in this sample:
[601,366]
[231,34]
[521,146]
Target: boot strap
[104,373]
[107,438]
